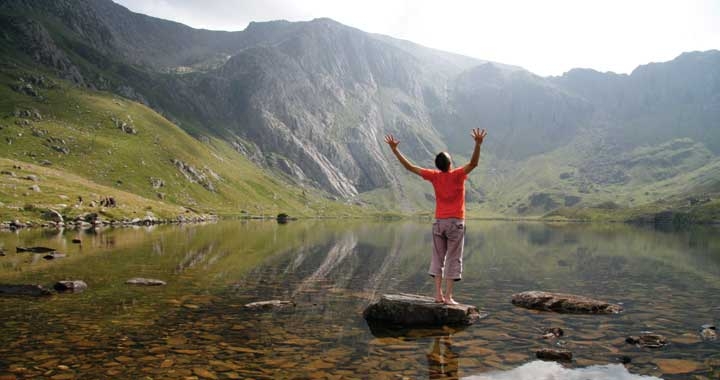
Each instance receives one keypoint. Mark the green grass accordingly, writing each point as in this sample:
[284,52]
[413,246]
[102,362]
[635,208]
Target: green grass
[59,190]
[105,161]
[578,181]
[681,213]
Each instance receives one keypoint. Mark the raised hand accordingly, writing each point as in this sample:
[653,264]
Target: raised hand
[478,135]
[390,140]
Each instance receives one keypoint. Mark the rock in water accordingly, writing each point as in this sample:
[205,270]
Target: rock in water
[647,340]
[553,332]
[415,310]
[35,249]
[282,218]
[54,255]
[73,286]
[563,303]
[24,290]
[553,354]
[708,332]
[145,281]
[270,305]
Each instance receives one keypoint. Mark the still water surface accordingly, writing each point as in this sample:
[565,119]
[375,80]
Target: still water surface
[668,282]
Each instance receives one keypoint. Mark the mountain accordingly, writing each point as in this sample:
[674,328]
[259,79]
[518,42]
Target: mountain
[310,102]
[66,148]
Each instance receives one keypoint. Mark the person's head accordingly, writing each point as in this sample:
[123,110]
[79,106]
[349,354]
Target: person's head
[443,161]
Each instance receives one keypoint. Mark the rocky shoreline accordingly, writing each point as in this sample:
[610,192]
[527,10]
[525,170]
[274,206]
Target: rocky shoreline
[93,221]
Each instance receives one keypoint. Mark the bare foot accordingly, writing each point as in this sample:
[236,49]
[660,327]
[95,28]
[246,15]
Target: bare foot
[451,301]
[440,299]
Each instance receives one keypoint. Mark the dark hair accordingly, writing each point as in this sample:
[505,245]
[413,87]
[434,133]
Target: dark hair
[442,161]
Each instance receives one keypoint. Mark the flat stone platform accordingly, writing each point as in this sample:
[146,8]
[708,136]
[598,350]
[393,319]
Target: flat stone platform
[563,303]
[415,310]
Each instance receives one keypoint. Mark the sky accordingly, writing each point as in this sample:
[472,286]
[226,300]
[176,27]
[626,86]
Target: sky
[546,37]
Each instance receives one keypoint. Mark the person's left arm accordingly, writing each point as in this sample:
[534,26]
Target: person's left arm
[478,136]
[393,142]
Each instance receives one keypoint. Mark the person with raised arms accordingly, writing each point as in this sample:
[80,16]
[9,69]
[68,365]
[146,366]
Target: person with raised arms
[448,230]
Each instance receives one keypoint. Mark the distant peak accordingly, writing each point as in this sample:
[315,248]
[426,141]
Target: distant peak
[588,73]
[325,20]
[267,24]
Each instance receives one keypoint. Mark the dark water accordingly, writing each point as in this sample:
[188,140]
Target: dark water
[668,282]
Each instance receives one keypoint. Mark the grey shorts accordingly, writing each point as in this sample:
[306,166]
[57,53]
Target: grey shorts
[448,241]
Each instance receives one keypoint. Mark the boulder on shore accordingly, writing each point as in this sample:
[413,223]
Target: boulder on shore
[72,286]
[145,281]
[563,303]
[270,305]
[53,216]
[24,290]
[415,310]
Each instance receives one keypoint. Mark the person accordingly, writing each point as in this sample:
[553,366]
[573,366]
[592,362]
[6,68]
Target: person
[449,227]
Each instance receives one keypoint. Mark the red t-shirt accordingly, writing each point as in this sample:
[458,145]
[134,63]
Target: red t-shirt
[449,191]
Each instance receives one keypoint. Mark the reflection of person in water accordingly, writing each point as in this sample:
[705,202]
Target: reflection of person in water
[449,227]
[442,361]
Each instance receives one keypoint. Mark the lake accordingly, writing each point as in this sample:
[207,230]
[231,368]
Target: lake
[668,281]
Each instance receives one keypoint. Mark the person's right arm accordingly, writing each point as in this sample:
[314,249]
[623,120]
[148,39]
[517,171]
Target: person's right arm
[390,140]
[478,136]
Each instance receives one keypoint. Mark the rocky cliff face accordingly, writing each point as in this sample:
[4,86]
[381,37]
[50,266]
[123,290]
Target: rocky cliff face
[317,104]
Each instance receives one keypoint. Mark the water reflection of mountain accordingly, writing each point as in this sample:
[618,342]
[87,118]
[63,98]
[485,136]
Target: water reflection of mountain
[602,260]
[332,268]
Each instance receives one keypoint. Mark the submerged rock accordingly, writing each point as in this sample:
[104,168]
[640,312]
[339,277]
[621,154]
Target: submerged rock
[411,309]
[270,305]
[145,281]
[677,366]
[24,290]
[647,340]
[563,303]
[73,286]
[553,332]
[553,354]
[708,332]
[34,249]
[54,255]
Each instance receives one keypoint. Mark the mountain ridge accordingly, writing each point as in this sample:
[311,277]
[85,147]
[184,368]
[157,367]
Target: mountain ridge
[310,101]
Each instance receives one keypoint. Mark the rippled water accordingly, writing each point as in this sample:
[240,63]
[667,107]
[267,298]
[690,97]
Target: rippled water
[668,282]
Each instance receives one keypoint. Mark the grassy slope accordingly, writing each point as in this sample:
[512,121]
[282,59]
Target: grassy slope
[658,178]
[676,192]
[110,162]
[17,200]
